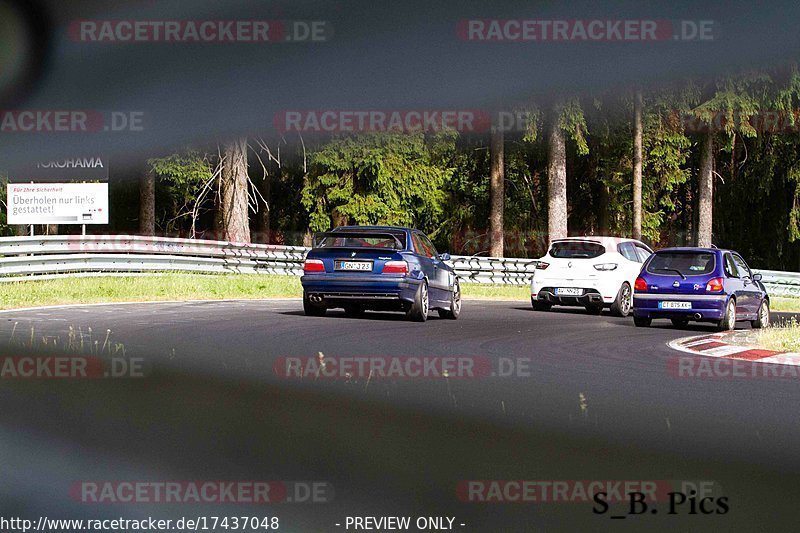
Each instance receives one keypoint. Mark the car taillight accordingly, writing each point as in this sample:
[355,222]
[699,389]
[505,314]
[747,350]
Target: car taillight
[640,285]
[714,285]
[313,265]
[541,265]
[395,267]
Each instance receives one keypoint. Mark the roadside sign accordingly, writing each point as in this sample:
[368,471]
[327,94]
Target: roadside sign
[57,203]
[77,168]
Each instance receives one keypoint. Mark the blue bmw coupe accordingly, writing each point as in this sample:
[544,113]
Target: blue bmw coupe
[384,268]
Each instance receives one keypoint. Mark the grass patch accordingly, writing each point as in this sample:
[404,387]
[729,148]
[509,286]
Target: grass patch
[784,337]
[146,288]
[782,303]
[480,291]
[176,286]
[172,286]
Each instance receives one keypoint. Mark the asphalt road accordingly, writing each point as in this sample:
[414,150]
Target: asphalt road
[590,398]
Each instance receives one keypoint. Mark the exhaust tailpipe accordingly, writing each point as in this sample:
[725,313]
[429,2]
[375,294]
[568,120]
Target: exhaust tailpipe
[698,316]
[316,298]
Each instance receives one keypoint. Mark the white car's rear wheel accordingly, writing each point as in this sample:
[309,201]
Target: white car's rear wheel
[623,302]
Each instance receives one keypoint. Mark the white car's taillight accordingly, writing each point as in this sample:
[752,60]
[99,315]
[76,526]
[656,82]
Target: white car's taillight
[605,266]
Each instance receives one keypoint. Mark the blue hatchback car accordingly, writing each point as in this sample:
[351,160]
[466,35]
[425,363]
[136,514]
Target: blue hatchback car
[699,284]
[385,268]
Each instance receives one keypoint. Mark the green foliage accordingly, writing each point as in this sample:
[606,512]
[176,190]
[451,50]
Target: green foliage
[440,182]
[793,225]
[533,120]
[666,148]
[378,179]
[572,120]
[184,178]
[734,103]
[186,167]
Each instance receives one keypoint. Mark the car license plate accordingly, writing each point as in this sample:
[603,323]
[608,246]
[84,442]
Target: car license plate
[568,291]
[674,305]
[360,266]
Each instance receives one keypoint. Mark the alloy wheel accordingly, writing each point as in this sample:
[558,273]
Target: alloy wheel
[627,297]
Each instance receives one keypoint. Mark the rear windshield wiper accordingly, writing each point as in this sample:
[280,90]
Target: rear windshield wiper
[673,270]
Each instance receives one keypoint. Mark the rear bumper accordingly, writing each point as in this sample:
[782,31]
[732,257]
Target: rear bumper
[708,307]
[606,287]
[589,297]
[374,290]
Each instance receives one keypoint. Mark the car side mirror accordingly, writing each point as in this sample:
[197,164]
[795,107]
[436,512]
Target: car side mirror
[757,277]
[444,257]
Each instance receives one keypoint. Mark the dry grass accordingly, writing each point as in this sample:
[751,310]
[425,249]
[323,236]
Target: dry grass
[784,337]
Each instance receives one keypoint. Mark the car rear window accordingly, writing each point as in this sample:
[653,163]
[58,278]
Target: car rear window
[687,263]
[360,241]
[576,250]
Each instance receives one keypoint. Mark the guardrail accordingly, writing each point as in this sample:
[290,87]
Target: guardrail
[70,255]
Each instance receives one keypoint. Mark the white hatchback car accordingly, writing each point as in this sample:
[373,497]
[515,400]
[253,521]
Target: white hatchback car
[593,272]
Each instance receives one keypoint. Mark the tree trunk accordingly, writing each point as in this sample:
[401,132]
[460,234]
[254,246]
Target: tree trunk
[687,216]
[51,229]
[234,217]
[556,182]
[21,230]
[705,192]
[637,166]
[147,203]
[496,194]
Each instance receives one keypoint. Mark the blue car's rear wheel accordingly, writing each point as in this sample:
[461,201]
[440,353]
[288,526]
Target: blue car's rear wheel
[728,321]
[455,303]
[763,316]
[418,312]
